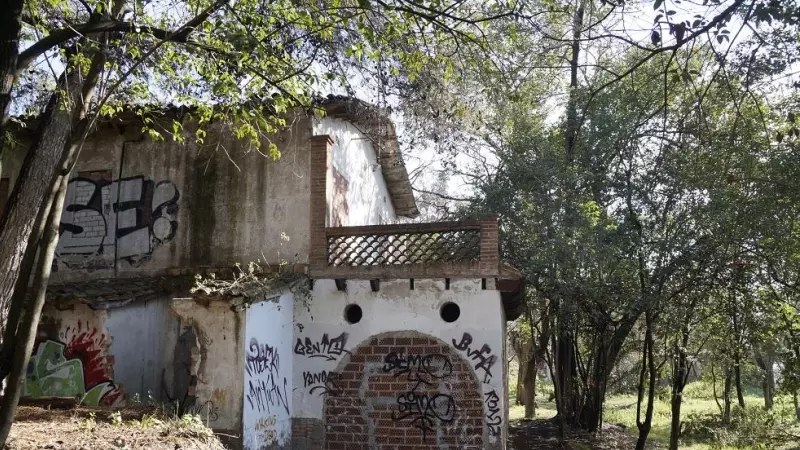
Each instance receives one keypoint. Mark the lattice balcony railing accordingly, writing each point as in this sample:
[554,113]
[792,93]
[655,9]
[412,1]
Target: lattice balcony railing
[443,249]
[446,244]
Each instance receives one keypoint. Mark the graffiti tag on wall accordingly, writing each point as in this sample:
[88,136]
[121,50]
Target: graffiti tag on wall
[266,427]
[78,368]
[326,348]
[493,417]
[143,217]
[322,382]
[483,358]
[265,389]
[424,410]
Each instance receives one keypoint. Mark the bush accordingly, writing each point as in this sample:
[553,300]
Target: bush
[752,428]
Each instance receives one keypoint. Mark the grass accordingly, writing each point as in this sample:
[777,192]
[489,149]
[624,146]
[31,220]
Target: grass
[698,402]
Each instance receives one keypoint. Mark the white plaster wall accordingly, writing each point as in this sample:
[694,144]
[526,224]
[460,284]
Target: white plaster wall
[395,307]
[267,351]
[353,156]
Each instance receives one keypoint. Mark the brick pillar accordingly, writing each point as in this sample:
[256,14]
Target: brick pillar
[490,247]
[320,161]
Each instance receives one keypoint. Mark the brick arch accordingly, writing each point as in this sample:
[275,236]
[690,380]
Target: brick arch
[407,390]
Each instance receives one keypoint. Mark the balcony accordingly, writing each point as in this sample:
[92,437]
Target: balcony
[462,249]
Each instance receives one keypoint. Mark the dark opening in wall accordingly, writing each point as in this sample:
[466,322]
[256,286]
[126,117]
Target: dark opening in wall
[450,312]
[352,313]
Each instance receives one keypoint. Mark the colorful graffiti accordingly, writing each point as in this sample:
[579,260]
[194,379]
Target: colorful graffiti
[74,363]
[52,374]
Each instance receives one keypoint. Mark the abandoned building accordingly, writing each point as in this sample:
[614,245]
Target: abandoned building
[374,334]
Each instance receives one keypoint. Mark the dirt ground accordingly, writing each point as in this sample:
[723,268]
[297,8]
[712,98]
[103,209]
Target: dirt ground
[544,434]
[134,428]
[90,429]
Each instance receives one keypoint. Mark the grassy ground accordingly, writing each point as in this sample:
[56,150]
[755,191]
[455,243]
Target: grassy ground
[698,402]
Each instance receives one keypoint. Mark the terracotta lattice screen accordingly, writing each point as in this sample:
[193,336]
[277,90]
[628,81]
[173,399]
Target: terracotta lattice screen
[443,242]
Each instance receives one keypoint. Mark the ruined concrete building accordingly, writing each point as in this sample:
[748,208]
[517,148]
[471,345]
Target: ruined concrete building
[387,336]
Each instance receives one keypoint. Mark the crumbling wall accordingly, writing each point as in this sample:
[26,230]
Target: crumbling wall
[202,372]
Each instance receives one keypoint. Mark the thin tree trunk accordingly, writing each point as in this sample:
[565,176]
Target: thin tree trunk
[648,365]
[726,397]
[737,370]
[530,387]
[680,375]
[796,406]
[27,330]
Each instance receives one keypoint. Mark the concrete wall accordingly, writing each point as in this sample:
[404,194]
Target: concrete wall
[357,193]
[204,370]
[137,207]
[268,385]
[325,341]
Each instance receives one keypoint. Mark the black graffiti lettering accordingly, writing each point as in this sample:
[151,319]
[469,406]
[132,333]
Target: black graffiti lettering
[493,418]
[322,382]
[261,358]
[418,368]
[326,347]
[466,341]
[484,357]
[142,218]
[262,365]
[265,393]
[425,410]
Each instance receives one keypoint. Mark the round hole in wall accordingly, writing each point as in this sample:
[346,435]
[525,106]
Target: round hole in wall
[450,312]
[352,313]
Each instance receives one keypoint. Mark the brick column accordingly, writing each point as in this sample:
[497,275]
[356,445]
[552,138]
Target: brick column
[320,160]
[490,247]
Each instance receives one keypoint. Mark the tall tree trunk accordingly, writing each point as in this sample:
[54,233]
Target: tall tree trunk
[765,363]
[21,290]
[529,382]
[796,405]
[680,374]
[564,350]
[737,370]
[648,366]
[27,329]
[726,397]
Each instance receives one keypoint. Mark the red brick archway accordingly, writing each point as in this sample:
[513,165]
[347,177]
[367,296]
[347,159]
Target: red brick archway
[404,390]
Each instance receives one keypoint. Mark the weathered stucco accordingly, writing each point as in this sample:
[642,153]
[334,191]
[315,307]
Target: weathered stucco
[205,366]
[324,337]
[357,193]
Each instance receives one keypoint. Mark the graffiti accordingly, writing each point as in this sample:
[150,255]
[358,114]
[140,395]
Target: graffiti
[143,218]
[484,357]
[261,358]
[266,426]
[493,418]
[323,382]
[419,368]
[52,373]
[326,348]
[207,410]
[264,386]
[424,410]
